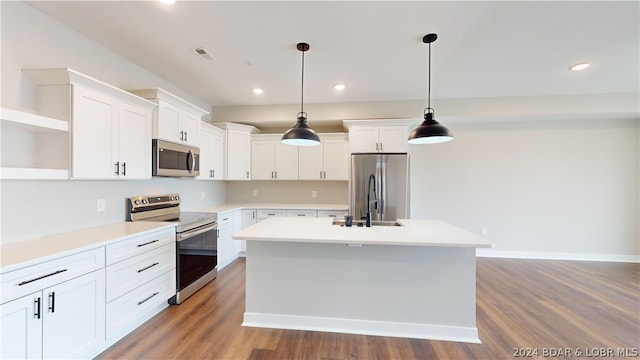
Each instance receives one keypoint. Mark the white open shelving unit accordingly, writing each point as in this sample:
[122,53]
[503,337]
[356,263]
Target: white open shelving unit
[33,146]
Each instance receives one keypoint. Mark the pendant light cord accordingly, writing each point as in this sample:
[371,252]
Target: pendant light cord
[302,87]
[429,81]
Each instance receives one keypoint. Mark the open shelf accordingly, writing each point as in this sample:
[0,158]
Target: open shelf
[33,146]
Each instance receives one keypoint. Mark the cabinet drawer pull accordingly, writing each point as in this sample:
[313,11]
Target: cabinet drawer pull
[41,277]
[148,267]
[302,215]
[52,302]
[145,300]
[148,243]
[36,305]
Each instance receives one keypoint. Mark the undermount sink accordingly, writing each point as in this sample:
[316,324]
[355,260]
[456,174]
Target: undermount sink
[361,223]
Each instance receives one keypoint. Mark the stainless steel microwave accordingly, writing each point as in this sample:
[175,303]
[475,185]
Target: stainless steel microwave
[171,159]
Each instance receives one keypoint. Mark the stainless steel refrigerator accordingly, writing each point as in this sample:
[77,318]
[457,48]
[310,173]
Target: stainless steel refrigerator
[388,175]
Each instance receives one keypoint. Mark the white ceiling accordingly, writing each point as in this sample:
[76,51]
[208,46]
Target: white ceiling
[484,49]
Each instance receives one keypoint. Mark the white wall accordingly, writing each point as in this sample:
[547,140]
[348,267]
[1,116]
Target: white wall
[545,189]
[34,208]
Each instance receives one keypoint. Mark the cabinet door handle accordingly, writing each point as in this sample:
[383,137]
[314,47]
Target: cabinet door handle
[148,243]
[145,300]
[52,302]
[247,174]
[42,277]
[118,168]
[185,136]
[124,169]
[36,310]
[181,135]
[213,173]
[276,173]
[381,146]
[325,174]
[148,267]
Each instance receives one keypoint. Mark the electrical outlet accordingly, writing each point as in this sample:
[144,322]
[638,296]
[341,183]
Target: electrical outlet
[255,192]
[100,205]
[314,193]
[483,231]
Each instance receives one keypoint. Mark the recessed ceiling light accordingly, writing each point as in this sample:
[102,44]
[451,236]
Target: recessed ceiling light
[257,91]
[339,87]
[579,66]
[168,2]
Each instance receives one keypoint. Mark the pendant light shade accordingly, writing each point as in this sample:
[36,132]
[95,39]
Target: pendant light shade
[301,134]
[430,131]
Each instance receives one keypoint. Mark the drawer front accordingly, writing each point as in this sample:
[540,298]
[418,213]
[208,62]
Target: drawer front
[139,244]
[131,273]
[124,313]
[263,214]
[302,213]
[225,218]
[34,278]
[332,213]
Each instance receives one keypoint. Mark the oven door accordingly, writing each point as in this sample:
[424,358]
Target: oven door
[197,258]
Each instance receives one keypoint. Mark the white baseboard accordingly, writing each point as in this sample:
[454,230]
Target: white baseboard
[557,256]
[363,327]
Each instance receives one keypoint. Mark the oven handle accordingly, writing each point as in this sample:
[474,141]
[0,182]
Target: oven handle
[189,234]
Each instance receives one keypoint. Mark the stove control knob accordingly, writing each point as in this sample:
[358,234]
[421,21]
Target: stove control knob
[177,198]
[144,201]
[137,202]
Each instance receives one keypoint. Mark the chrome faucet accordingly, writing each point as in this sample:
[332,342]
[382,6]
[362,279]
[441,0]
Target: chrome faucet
[375,199]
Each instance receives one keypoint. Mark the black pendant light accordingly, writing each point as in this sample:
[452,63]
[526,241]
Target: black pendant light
[301,134]
[430,131]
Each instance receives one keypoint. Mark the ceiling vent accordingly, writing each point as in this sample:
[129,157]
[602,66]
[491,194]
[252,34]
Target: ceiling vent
[203,54]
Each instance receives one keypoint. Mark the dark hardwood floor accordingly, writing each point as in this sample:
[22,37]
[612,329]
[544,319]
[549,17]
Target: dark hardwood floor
[525,309]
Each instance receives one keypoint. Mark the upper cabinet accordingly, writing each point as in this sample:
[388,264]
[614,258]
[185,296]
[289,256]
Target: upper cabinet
[111,128]
[388,136]
[174,119]
[211,152]
[272,160]
[329,161]
[237,156]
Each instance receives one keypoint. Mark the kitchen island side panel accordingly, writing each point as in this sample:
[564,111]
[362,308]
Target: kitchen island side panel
[378,284]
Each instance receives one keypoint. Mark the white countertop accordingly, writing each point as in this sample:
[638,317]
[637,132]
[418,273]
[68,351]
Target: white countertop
[24,253]
[231,207]
[414,232]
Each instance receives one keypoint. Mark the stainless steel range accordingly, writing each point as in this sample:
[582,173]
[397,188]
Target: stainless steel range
[196,240]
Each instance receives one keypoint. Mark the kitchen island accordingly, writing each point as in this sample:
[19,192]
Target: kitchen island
[417,280]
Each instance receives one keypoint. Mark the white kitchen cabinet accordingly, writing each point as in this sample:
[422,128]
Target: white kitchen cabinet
[390,138]
[225,241]
[110,128]
[237,155]
[329,161]
[175,119]
[22,328]
[211,152]
[263,214]
[301,213]
[140,278]
[33,146]
[237,226]
[66,320]
[248,218]
[272,160]
[333,213]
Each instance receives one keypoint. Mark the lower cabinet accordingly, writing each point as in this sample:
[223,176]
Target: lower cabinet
[140,278]
[75,306]
[248,218]
[62,321]
[226,247]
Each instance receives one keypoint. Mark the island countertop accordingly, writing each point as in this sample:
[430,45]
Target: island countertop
[413,232]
